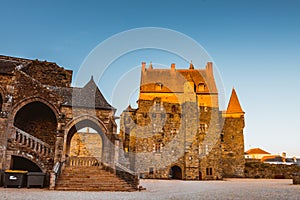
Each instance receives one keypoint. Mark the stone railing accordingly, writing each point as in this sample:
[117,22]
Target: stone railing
[128,175]
[55,173]
[83,161]
[35,144]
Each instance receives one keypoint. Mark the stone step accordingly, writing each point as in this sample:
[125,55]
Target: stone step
[91,179]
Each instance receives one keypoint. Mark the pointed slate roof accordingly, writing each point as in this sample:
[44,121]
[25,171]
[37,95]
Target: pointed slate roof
[234,104]
[88,97]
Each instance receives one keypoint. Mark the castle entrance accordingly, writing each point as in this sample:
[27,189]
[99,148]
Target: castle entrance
[176,172]
[85,144]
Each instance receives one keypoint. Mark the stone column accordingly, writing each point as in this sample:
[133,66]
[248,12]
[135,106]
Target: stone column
[59,143]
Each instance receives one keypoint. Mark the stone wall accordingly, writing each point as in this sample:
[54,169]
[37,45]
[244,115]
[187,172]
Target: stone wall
[265,170]
[49,73]
[86,145]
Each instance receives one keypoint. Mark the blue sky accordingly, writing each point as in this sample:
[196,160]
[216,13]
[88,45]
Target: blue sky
[255,44]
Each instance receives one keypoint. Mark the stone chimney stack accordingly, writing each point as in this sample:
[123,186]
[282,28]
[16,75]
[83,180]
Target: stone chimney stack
[150,66]
[143,66]
[173,66]
[209,69]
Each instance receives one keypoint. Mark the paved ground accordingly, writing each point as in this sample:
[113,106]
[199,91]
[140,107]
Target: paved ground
[165,189]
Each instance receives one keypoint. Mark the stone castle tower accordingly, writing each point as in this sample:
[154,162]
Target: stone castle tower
[178,131]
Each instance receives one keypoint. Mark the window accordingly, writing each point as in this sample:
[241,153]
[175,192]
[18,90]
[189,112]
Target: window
[157,147]
[174,109]
[151,170]
[201,87]
[209,171]
[153,115]
[202,127]
[222,137]
[158,86]
[202,107]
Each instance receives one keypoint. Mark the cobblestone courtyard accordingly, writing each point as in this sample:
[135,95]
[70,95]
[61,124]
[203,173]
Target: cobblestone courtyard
[175,189]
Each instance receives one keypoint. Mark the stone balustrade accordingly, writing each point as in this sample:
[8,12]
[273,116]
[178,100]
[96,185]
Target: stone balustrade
[83,161]
[32,142]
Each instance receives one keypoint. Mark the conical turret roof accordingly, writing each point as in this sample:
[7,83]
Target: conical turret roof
[234,105]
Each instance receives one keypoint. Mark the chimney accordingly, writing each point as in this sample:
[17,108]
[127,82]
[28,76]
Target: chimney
[150,66]
[209,69]
[143,66]
[173,66]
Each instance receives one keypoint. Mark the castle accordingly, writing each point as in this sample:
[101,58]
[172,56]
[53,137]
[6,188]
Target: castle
[178,131]
[39,115]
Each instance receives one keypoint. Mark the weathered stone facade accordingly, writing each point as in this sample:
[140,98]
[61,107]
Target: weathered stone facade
[178,131]
[40,113]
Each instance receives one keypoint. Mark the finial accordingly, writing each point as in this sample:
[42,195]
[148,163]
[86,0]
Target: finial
[191,65]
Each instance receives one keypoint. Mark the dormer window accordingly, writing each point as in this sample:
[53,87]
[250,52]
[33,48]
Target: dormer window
[201,87]
[158,86]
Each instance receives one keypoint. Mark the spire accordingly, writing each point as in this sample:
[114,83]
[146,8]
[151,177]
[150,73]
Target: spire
[234,104]
[191,65]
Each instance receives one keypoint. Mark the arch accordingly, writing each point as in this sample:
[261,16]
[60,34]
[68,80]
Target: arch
[37,119]
[176,172]
[26,101]
[22,163]
[82,122]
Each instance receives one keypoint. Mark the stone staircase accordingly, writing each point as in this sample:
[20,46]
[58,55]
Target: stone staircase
[91,178]
[31,148]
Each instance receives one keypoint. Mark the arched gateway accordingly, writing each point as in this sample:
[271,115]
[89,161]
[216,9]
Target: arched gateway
[176,172]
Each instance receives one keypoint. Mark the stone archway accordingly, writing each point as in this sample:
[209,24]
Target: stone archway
[176,172]
[37,119]
[100,149]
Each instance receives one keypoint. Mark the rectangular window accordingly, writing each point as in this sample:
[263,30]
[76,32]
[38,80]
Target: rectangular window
[151,170]
[202,127]
[209,171]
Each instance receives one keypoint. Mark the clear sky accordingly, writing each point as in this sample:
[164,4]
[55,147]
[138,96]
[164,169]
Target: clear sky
[255,44]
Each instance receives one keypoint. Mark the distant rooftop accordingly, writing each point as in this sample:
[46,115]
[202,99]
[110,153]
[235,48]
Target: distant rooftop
[256,151]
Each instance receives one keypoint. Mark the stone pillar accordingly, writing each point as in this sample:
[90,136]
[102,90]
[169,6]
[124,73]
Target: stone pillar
[59,143]
[52,181]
